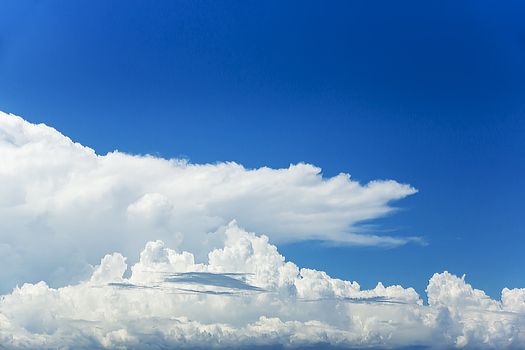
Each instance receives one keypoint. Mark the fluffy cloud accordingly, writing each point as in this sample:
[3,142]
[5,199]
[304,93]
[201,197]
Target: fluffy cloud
[62,196]
[247,295]
[201,279]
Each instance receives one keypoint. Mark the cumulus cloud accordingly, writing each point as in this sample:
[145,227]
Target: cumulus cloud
[62,206]
[247,295]
[203,279]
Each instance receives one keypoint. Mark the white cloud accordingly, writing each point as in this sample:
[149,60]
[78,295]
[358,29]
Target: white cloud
[247,295]
[201,280]
[62,206]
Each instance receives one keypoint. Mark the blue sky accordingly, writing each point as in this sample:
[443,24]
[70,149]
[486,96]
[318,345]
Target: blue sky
[430,94]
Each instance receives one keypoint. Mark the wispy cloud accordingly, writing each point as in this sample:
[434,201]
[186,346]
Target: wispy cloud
[79,204]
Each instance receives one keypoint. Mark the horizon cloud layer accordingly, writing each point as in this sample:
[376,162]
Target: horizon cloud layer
[245,296]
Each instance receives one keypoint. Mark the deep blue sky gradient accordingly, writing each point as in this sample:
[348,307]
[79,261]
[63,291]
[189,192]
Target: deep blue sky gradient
[427,93]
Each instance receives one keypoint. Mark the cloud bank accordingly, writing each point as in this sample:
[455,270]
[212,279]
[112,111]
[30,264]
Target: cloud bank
[247,295]
[79,205]
[203,279]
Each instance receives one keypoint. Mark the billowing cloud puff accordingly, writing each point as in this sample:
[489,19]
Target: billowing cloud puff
[202,278]
[247,295]
[62,196]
